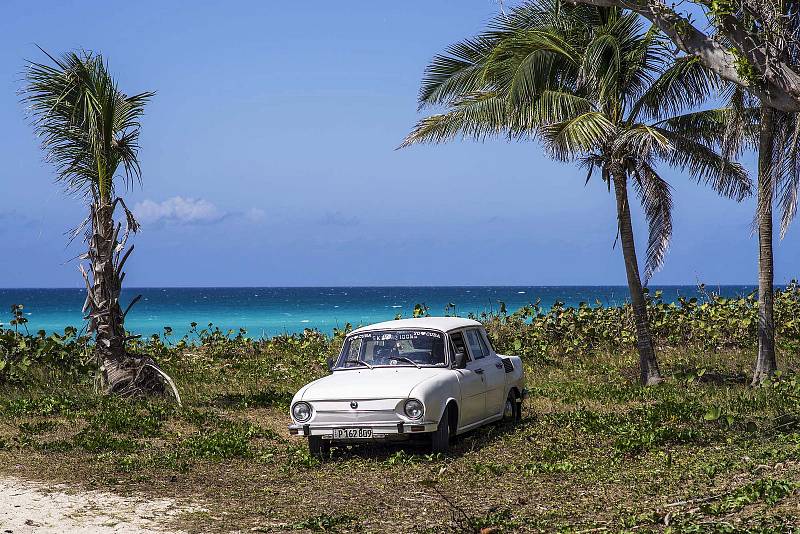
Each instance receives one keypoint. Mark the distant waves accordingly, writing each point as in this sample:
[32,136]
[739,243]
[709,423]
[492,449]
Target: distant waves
[266,311]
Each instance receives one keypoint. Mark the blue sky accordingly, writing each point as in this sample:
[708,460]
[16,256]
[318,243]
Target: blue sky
[269,159]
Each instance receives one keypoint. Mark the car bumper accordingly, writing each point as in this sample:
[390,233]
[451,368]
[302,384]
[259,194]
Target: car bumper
[379,430]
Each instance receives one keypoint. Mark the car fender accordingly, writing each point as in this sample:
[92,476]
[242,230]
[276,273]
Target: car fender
[301,392]
[516,378]
[435,393]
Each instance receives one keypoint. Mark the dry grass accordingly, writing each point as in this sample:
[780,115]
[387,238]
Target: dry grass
[595,452]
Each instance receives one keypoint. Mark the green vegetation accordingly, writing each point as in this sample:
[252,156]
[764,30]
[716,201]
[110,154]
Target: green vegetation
[702,452]
[710,324]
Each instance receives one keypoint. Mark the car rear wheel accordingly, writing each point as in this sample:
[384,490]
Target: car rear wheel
[319,448]
[512,410]
[440,438]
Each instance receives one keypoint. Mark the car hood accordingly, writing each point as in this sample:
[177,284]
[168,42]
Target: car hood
[377,383]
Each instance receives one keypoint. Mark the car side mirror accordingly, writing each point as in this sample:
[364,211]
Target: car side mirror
[460,360]
[331,364]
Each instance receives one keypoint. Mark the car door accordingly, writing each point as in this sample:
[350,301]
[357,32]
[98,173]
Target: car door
[494,376]
[471,382]
[485,365]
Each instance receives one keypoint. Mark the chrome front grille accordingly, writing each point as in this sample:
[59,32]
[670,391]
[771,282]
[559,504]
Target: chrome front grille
[368,411]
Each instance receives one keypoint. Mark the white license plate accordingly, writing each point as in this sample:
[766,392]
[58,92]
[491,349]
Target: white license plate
[351,433]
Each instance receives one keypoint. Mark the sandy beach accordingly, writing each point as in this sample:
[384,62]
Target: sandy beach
[32,507]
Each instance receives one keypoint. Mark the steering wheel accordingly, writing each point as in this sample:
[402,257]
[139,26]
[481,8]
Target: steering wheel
[384,353]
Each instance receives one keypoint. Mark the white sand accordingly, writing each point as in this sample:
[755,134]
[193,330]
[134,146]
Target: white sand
[33,507]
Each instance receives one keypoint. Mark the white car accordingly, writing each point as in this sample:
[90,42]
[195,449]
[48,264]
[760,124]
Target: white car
[431,377]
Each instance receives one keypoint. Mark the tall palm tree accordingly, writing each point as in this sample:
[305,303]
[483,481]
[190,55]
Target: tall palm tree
[89,131]
[595,88]
[778,182]
[747,124]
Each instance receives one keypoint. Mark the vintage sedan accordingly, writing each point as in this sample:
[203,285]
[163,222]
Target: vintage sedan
[425,378]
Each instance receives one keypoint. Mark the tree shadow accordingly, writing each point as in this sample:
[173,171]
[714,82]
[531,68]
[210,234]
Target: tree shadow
[719,378]
[267,398]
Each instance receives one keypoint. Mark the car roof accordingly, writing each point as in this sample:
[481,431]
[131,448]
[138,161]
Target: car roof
[444,324]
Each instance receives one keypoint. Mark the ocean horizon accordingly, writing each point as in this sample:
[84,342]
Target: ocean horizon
[268,311]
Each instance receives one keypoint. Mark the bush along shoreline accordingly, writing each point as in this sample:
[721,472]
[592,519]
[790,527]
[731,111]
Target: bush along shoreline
[711,323]
[534,332]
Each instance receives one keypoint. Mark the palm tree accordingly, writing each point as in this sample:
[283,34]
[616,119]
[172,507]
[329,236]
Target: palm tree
[595,88]
[778,181]
[89,131]
[747,124]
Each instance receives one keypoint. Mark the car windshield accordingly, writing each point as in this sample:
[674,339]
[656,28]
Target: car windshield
[393,347]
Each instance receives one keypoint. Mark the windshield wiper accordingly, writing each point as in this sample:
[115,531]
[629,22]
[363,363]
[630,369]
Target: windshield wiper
[358,361]
[404,359]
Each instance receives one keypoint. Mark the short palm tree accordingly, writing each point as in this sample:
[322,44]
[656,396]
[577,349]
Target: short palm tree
[595,88]
[89,130]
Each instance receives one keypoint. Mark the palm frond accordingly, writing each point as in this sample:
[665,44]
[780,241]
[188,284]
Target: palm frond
[655,195]
[640,141]
[553,106]
[477,117]
[601,64]
[681,86]
[732,130]
[642,62]
[456,72]
[462,69]
[569,139]
[87,127]
[524,65]
[726,177]
[787,168]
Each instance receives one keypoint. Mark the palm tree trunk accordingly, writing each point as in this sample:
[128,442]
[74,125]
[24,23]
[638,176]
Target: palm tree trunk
[121,372]
[648,364]
[766,364]
[107,320]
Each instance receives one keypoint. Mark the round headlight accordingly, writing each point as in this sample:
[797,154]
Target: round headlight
[414,409]
[301,411]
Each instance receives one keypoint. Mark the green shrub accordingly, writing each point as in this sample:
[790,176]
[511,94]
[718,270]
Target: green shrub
[66,353]
[535,332]
[712,323]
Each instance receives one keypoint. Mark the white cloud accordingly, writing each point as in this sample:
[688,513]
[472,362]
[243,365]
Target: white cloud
[337,218]
[179,210]
[255,215]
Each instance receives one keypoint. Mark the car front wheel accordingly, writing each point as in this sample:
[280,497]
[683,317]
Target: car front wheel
[319,448]
[440,438]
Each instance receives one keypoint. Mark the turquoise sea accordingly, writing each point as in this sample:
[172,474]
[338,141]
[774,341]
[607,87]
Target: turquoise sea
[266,311]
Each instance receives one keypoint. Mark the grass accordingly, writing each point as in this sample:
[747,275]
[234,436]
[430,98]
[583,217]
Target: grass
[702,452]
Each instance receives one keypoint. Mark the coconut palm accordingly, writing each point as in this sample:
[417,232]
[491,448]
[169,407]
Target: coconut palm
[778,183]
[747,124]
[89,131]
[595,89]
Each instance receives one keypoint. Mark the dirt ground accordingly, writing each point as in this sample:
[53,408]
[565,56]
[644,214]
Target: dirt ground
[32,507]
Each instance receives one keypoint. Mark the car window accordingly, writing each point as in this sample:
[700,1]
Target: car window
[393,347]
[475,345]
[482,339]
[354,350]
[457,340]
[489,341]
